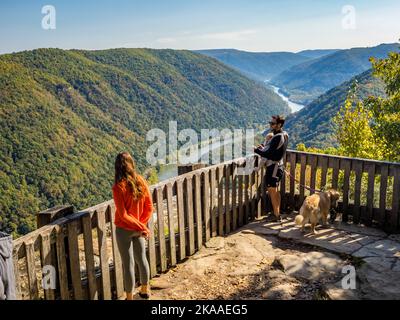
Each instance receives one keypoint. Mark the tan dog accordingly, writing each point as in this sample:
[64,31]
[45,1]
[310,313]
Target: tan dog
[316,207]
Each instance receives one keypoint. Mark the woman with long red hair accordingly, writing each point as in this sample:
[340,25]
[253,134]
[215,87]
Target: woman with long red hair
[134,208]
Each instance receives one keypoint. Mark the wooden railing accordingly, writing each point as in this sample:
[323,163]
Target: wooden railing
[189,210]
[370,189]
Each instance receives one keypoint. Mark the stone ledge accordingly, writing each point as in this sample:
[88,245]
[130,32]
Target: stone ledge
[378,274]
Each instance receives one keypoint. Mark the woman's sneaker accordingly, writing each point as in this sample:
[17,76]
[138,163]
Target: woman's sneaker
[145,291]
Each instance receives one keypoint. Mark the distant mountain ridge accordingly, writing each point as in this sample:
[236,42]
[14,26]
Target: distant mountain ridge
[317,53]
[65,114]
[305,82]
[261,65]
[313,124]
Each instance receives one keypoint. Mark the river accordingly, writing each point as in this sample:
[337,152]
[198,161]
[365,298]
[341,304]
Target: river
[292,105]
[171,170]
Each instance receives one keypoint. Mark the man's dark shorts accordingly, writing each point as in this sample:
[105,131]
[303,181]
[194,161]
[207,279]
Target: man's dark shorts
[269,180]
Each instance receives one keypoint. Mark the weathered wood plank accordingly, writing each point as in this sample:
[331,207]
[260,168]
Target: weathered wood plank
[62,265]
[252,204]
[258,194]
[31,270]
[171,224]
[198,210]
[228,216]
[323,163]
[152,256]
[382,195]
[292,181]
[247,205]
[394,216]
[214,197]
[207,212]
[74,264]
[117,261]
[240,200]
[313,174]
[189,215]
[158,197]
[346,186]
[16,273]
[221,220]
[264,199]
[89,257]
[50,215]
[234,197]
[358,169]
[370,194]
[282,184]
[46,259]
[103,252]
[303,162]
[181,220]
[335,165]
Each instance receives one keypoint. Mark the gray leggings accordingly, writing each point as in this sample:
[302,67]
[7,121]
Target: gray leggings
[132,248]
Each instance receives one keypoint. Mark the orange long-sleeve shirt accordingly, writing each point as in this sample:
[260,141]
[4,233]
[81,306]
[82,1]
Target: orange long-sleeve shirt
[131,214]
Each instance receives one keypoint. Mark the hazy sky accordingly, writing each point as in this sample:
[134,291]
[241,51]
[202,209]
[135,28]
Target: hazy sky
[253,25]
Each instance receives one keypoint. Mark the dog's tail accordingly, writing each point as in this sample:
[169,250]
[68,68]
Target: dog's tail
[299,219]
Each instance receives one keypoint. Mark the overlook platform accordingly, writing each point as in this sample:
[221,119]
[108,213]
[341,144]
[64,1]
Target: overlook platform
[266,260]
[213,220]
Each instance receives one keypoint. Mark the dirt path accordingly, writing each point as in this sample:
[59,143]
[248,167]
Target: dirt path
[266,260]
[251,265]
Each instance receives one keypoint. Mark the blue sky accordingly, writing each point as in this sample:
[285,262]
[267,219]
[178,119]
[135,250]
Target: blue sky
[253,25]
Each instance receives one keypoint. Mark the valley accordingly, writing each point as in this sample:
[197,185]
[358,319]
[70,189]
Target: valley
[69,105]
[314,84]
[294,107]
[65,114]
[212,151]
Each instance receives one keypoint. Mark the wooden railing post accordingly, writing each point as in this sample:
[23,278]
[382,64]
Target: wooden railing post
[186,168]
[189,202]
[47,216]
[44,218]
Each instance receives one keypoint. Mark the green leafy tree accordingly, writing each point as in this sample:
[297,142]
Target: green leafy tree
[331,150]
[386,111]
[354,133]
[371,128]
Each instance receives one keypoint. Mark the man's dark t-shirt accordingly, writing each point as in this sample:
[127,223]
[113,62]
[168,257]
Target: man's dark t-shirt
[275,152]
[277,147]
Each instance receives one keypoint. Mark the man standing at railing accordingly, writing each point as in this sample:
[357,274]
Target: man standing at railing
[274,152]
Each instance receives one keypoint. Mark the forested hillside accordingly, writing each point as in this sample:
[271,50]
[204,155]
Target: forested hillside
[305,82]
[65,114]
[313,125]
